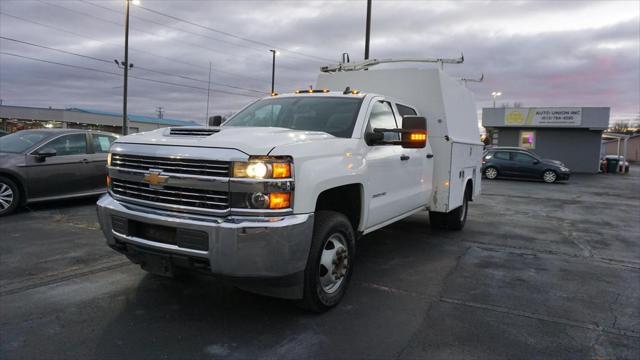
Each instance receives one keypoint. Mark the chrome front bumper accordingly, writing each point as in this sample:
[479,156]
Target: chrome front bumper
[242,247]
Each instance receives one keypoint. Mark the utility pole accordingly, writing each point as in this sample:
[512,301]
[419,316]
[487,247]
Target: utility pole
[160,111]
[273,71]
[206,121]
[368,33]
[125,120]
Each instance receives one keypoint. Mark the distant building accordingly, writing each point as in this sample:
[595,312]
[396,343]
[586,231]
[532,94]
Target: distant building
[14,118]
[572,135]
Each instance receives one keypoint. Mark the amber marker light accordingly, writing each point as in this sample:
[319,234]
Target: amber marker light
[281,170]
[279,200]
[108,181]
[418,137]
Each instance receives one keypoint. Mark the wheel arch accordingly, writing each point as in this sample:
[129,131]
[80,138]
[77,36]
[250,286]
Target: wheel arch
[346,199]
[19,181]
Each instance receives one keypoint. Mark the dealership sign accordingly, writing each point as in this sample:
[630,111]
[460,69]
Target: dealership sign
[553,117]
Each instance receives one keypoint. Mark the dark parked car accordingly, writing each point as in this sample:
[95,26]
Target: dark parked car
[48,164]
[521,163]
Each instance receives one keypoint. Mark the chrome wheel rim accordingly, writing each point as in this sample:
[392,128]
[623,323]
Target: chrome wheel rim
[334,263]
[549,176]
[6,196]
[491,173]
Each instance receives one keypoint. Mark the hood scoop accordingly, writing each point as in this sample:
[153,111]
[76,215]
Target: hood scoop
[187,131]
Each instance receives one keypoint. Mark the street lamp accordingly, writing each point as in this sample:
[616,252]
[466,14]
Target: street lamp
[494,95]
[273,70]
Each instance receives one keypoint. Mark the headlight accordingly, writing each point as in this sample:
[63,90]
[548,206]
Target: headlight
[265,167]
[565,169]
[109,159]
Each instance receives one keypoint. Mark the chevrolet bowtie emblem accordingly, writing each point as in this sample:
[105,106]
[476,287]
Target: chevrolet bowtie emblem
[154,178]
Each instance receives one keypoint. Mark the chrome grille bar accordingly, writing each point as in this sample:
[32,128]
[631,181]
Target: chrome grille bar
[171,195]
[176,166]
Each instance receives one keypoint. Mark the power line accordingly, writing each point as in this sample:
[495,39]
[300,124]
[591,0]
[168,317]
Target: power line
[119,75]
[135,49]
[137,67]
[268,46]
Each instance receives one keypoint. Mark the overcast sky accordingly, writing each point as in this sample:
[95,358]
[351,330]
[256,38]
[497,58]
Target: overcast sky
[556,53]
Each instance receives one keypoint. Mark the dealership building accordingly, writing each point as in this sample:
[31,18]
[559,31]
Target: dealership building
[14,118]
[572,135]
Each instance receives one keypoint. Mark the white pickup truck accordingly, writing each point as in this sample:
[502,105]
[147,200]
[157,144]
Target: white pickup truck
[274,199]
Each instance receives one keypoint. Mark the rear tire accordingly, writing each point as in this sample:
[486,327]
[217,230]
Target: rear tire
[9,196]
[330,261]
[453,220]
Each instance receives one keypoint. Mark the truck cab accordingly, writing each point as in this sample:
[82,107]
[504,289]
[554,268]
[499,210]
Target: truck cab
[274,198]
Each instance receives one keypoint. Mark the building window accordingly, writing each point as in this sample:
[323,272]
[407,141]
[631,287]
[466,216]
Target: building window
[527,139]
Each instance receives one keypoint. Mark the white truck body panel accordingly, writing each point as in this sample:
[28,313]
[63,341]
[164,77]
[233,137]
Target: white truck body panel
[451,123]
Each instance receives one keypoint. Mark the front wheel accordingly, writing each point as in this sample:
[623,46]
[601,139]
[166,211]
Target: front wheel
[330,261]
[549,176]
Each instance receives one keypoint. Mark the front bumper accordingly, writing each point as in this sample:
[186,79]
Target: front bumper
[241,248]
[564,175]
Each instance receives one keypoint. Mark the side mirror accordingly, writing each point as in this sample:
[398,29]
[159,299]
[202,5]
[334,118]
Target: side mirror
[373,138]
[414,132]
[215,120]
[42,154]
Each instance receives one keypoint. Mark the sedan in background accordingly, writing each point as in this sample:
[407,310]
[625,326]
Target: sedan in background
[49,164]
[520,163]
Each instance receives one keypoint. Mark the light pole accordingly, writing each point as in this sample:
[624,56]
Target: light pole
[273,71]
[494,95]
[367,35]
[125,64]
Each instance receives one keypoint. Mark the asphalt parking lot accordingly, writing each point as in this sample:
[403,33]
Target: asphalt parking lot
[540,271]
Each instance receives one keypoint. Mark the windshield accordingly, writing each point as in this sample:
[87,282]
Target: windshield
[20,141]
[333,115]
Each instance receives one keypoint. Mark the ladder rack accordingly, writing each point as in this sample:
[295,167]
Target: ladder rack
[364,65]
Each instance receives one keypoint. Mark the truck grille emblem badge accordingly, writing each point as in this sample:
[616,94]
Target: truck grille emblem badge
[155,178]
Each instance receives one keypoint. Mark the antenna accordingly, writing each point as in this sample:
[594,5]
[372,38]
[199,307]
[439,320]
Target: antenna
[364,65]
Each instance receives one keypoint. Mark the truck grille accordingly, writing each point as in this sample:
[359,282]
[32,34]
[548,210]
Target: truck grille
[214,168]
[171,195]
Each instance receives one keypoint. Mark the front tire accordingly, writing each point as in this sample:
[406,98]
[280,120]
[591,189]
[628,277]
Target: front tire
[9,196]
[330,261]
[549,176]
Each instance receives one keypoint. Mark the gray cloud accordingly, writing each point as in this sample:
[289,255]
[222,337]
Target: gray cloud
[538,53]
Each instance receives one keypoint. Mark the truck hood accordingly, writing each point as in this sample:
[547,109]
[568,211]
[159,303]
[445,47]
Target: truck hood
[250,140]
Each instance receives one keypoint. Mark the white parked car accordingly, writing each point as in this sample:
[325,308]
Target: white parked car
[274,199]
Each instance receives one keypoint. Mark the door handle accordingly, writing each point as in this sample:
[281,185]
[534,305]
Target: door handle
[429,156]
[404,157]
[85,161]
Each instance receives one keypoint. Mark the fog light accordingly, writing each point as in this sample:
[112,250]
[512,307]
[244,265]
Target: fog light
[279,200]
[259,201]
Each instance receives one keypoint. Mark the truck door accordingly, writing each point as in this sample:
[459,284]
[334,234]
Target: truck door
[419,167]
[387,182]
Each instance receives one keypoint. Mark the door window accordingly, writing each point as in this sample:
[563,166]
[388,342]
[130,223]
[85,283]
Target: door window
[501,155]
[382,118]
[404,110]
[102,143]
[523,158]
[72,144]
